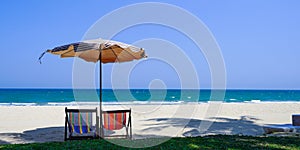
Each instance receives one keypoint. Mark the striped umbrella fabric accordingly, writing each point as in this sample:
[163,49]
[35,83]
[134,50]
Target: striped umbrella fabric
[89,50]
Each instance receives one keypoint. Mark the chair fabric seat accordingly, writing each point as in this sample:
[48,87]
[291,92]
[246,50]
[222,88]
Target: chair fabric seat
[81,124]
[114,121]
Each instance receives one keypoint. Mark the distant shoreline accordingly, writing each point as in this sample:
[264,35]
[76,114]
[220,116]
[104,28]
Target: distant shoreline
[67,88]
[69,96]
[74,103]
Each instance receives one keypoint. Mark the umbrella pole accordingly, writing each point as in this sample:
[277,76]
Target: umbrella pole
[100,107]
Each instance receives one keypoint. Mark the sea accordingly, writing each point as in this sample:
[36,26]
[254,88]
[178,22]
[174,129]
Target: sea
[11,97]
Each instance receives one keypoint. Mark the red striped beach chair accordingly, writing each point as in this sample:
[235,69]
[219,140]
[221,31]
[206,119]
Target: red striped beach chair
[81,124]
[116,120]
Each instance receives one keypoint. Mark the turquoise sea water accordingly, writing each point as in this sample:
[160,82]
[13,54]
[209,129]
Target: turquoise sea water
[46,96]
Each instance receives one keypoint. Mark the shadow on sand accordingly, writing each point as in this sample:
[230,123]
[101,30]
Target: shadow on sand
[34,136]
[39,135]
[245,125]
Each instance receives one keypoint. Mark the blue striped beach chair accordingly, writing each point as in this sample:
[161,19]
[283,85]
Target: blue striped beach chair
[81,124]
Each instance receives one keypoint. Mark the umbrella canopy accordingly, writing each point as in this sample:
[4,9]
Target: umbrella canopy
[111,51]
[105,51]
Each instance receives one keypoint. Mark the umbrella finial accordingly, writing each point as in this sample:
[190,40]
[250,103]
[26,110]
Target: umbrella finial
[143,53]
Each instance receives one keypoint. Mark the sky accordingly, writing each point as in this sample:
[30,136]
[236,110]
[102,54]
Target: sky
[258,40]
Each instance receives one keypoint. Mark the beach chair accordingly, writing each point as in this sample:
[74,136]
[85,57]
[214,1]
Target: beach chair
[81,124]
[114,120]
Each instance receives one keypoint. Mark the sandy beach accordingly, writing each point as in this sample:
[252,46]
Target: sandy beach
[25,124]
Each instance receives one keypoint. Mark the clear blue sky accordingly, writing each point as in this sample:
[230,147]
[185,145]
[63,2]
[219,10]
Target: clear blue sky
[259,41]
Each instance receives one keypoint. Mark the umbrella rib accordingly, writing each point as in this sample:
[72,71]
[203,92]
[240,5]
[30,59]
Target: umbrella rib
[115,54]
[130,53]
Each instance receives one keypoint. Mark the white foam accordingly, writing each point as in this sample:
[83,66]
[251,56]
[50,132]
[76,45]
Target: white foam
[23,104]
[5,104]
[156,102]
[162,102]
[255,101]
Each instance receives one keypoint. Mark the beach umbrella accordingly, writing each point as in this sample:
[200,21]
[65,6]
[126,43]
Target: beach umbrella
[105,51]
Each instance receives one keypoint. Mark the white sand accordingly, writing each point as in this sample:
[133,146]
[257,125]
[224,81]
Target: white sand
[23,124]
